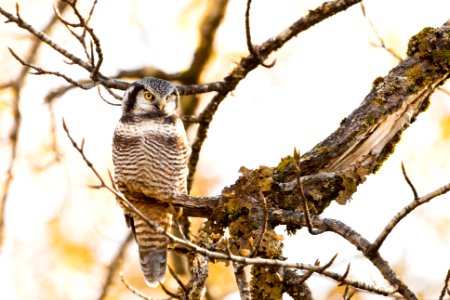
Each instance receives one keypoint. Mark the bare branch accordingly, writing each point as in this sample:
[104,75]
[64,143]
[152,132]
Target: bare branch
[83,23]
[348,293]
[104,99]
[177,279]
[303,199]
[295,286]
[241,281]
[114,266]
[378,36]
[445,289]
[132,289]
[40,71]
[169,293]
[361,243]
[248,36]
[405,211]
[260,236]
[347,271]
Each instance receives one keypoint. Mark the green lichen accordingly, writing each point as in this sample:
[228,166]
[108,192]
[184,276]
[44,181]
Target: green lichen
[285,161]
[431,44]
[322,150]
[442,56]
[378,100]
[371,119]
[266,281]
[377,81]
[416,76]
[420,43]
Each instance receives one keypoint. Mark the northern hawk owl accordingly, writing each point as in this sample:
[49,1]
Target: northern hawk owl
[150,153]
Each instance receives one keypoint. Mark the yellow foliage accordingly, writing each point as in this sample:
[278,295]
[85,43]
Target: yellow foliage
[6,95]
[221,280]
[73,254]
[445,127]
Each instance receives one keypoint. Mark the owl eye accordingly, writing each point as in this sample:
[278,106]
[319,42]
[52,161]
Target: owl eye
[148,96]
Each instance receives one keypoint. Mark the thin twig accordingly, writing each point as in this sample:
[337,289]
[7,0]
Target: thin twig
[444,90]
[301,193]
[133,289]
[177,279]
[405,211]
[98,49]
[382,44]
[114,266]
[260,237]
[248,36]
[104,99]
[445,289]
[40,71]
[411,185]
[347,271]
[116,96]
[348,293]
[169,293]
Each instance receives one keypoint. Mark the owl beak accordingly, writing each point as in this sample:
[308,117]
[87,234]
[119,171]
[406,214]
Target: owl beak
[161,105]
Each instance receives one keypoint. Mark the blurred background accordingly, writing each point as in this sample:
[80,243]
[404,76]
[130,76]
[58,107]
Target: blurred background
[60,235]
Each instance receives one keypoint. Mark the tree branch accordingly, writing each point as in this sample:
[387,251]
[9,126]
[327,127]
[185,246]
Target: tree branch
[405,211]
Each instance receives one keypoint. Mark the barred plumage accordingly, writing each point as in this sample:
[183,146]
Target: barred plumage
[150,153]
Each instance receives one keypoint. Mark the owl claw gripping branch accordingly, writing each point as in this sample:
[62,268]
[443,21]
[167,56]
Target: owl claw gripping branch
[150,153]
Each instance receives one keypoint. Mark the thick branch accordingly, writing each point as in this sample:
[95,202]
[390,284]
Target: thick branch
[368,135]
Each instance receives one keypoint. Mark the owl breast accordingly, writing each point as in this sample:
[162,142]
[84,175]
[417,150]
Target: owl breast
[150,157]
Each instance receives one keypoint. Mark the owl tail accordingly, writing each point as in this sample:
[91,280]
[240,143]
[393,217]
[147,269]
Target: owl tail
[152,246]
[153,265]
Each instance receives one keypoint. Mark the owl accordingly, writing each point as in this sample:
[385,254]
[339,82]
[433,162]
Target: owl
[150,154]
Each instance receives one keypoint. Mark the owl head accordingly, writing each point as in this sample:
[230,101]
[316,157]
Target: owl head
[150,97]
